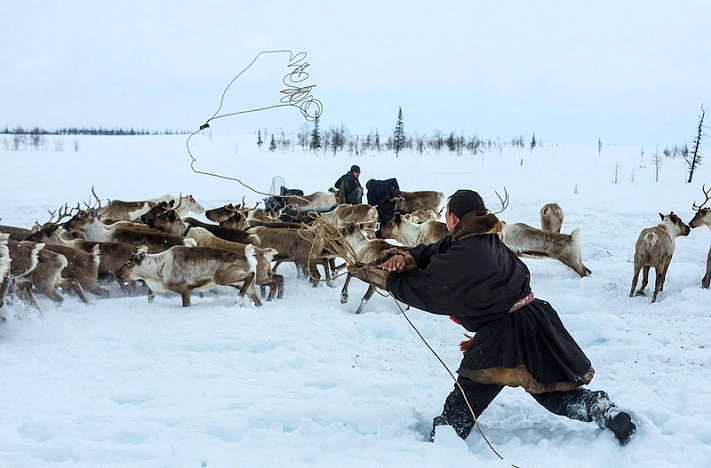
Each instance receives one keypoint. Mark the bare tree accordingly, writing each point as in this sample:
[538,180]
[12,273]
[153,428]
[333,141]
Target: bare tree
[657,161]
[694,159]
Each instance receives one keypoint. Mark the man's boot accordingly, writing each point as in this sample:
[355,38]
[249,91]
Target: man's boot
[608,416]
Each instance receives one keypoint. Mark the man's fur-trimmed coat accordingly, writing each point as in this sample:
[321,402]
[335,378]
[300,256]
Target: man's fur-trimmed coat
[472,276]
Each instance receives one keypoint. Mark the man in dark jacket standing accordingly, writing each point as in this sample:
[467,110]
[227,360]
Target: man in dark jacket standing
[473,277]
[349,188]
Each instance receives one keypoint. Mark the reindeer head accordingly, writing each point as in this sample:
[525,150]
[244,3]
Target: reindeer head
[220,214]
[81,220]
[125,273]
[703,215]
[676,224]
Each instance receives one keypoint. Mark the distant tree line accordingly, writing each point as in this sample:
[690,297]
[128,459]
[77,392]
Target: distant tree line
[337,139]
[88,131]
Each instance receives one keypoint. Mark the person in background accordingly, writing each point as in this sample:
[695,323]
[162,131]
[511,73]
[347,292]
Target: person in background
[382,194]
[349,188]
[519,340]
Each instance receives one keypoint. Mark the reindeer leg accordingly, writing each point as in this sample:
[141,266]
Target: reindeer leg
[97,290]
[185,296]
[344,291]
[151,295]
[263,291]
[4,286]
[248,288]
[314,275]
[707,277]
[665,268]
[327,271]
[24,292]
[634,278]
[658,281]
[645,281]
[366,298]
[280,286]
[73,284]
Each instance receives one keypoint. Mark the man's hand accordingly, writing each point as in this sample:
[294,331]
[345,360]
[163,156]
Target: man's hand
[394,263]
[396,259]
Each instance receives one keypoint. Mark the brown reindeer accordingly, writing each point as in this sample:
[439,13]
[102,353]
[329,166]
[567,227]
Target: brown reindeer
[703,218]
[527,241]
[264,275]
[303,246]
[113,254]
[551,217]
[183,269]
[654,248]
[407,232]
[409,202]
[45,276]
[87,225]
[366,251]
[24,259]
[421,216]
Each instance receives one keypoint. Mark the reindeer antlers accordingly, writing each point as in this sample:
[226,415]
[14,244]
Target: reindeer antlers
[64,212]
[504,201]
[88,207]
[696,207]
[179,203]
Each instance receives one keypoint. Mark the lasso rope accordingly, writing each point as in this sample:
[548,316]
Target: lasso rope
[333,238]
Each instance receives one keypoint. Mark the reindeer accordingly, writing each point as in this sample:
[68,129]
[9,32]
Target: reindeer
[527,241]
[364,215]
[46,275]
[264,275]
[218,215]
[164,217]
[365,250]
[408,232]
[234,235]
[703,218]
[113,254]
[186,203]
[87,225]
[654,248]
[23,259]
[303,246]
[316,200]
[183,269]
[15,233]
[409,202]
[551,217]
[421,216]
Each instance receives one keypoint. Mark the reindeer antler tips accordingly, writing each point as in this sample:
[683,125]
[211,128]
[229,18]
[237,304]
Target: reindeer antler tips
[696,207]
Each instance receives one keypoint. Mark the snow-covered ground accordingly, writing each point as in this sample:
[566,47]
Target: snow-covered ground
[303,381]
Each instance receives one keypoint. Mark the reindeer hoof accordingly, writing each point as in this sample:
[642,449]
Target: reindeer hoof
[344,298]
[330,284]
[639,293]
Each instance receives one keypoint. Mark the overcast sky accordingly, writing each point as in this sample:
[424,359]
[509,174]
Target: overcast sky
[627,72]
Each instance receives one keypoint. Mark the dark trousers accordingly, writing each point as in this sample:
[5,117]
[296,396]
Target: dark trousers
[575,404]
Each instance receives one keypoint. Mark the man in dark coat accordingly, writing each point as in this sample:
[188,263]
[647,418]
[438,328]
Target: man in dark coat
[349,188]
[472,276]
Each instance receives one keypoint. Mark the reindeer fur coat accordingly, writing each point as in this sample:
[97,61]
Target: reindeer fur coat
[473,277]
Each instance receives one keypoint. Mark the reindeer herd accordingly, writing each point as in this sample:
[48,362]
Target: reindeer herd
[154,246]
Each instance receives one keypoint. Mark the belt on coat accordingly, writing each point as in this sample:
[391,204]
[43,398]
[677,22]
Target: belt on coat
[522,302]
